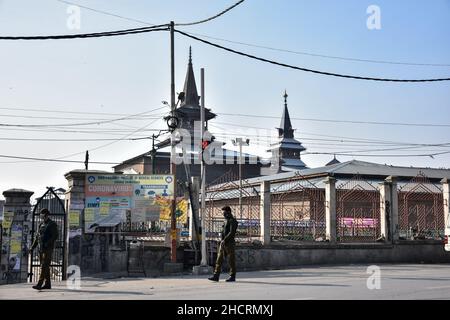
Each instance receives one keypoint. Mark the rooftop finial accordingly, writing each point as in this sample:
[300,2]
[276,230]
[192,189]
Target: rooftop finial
[285,97]
[190,54]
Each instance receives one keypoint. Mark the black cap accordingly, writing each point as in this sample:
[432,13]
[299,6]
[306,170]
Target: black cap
[44,211]
[226,208]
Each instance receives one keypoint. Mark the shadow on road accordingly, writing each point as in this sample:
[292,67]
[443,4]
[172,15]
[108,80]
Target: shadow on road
[99,292]
[295,284]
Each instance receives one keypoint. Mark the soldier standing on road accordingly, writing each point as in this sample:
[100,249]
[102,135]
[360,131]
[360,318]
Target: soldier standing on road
[45,239]
[227,246]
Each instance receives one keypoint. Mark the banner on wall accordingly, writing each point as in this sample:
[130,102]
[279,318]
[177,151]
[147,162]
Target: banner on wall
[110,196]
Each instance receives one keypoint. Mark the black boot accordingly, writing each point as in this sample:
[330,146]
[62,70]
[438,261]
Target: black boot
[215,277]
[38,286]
[47,285]
[231,278]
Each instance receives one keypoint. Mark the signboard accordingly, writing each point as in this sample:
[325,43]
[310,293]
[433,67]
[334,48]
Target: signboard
[358,222]
[109,196]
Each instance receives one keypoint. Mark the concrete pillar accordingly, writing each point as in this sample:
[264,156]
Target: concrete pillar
[264,212]
[394,229]
[16,239]
[330,209]
[75,200]
[446,195]
[385,210]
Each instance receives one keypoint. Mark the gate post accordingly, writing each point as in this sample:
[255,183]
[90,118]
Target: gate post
[264,212]
[446,197]
[16,236]
[385,210]
[330,208]
[394,230]
[75,199]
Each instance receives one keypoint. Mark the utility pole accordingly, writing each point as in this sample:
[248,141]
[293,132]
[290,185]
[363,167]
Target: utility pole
[153,153]
[204,261]
[86,161]
[240,142]
[173,166]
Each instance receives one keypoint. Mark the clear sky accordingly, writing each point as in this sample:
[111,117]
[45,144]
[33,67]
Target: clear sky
[120,76]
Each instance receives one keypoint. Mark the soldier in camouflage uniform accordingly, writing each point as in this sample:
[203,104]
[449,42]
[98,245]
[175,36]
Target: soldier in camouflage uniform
[227,246]
[45,240]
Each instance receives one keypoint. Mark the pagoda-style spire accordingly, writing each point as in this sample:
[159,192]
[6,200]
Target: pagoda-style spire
[191,97]
[285,130]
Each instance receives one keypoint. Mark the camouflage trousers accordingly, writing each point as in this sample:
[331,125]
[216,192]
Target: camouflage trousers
[229,252]
[45,259]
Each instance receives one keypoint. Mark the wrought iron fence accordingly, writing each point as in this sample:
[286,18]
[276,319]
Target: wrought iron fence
[357,211]
[421,209]
[297,211]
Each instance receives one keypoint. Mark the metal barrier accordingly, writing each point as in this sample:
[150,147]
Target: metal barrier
[225,192]
[357,211]
[421,209]
[297,211]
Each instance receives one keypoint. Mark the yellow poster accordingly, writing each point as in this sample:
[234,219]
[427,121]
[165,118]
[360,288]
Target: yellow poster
[181,211]
[89,214]
[15,247]
[7,219]
[74,218]
[104,208]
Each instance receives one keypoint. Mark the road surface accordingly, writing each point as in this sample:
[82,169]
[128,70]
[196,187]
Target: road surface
[399,281]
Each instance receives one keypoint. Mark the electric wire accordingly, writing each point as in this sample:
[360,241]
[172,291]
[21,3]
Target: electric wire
[90,35]
[77,124]
[211,18]
[267,47]
[340,121]
[306,69]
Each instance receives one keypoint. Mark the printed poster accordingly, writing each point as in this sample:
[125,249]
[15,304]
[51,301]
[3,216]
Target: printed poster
[109,196]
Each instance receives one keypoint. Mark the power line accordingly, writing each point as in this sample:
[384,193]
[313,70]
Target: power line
[431,155]
[66,118]
[110,143]
[71,140]
[90,35]
[52,160]
[68,112]
[104,12]
[267,47]
[341,121]
[322,55]
[77,124]
[211,18]
[306,69]
[342,140]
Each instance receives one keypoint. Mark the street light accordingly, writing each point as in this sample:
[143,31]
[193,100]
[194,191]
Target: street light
[240,142]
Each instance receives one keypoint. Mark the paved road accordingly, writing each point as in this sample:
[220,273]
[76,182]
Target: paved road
[405,281]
